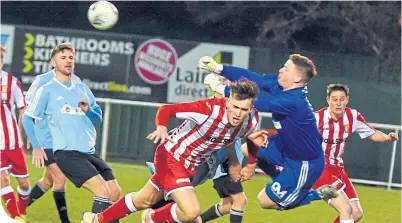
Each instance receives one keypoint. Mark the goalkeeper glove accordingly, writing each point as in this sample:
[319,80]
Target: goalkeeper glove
[208,64]
[212,81]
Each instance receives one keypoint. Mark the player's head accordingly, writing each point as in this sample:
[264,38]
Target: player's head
[337,98]
[296,72]
[242,95]
[2,51]
[62,58]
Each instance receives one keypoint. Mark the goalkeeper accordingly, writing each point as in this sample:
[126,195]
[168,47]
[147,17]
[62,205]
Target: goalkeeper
[297,147]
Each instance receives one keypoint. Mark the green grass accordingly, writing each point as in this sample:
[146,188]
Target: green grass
[379,205]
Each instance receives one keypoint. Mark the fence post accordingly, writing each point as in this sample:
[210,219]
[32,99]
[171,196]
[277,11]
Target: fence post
[105,129]
[391,167]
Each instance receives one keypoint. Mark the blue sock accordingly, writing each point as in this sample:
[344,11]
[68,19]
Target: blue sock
[312,196]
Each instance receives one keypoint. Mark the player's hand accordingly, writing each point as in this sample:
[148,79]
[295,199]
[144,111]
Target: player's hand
[160,134]
[84,104]
[29,146]
[38,157]
[259,138]
[393,136]
[234,172]
[213,81]
[247,172]
[208,64]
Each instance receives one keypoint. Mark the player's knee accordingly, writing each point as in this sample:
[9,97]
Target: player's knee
[240,200]
[357,215]
[4,178]
[59,182]
[265,201]
[190,212]
[46,182]
[225,205]
[23,183]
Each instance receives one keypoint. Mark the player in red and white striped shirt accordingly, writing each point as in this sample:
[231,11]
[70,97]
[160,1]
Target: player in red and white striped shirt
[210,124]
[336,123]
[13,161]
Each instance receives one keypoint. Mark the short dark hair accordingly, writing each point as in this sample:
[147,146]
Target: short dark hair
[306,65]
[60,48]
[337,87]
[243,89]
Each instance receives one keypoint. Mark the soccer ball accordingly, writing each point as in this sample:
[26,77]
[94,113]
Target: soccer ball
[103,15]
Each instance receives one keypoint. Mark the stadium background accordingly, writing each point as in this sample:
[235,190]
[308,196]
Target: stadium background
[106,62]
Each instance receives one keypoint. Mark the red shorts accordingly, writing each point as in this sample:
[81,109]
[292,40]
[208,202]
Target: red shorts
[170,175]
[337,176]
[15,160]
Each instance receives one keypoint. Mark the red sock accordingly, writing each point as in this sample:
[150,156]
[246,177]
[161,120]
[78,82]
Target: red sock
[123,207]
[8,196]
[23,199]
[336,220]
[164,214]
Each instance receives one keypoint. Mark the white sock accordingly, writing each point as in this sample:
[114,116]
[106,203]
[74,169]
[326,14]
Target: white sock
[346,221]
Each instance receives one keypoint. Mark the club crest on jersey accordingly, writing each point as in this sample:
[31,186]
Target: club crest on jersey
[68,109]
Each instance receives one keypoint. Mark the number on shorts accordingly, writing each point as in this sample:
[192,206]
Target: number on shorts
[276,188]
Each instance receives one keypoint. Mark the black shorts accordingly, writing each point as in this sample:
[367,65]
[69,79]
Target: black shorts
[80,167]
[50,157]
[225,186]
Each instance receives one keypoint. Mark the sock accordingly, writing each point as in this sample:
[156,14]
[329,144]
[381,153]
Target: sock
[8,196]
[115,221]
[100,204]
[336,220]
[59,197]
[36,192]
[314,196]
[269,169]
[123,207]
[236,216]
[23,199]
[346,221]
[166,214]
[211,214]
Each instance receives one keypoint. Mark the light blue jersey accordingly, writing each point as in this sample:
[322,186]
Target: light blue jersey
[223,157]
[42,128]
[71,128]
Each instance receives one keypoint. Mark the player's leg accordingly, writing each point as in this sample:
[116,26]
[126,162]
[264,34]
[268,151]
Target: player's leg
[7,192]
[19,170]
[59,185]
[42,186]
[79,170]
[222,208]
[132,202]
[217,210]
[357,210]
[343,206]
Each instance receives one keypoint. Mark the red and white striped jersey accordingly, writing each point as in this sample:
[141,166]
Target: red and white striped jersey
[205,129]
[11,96]
[336,133]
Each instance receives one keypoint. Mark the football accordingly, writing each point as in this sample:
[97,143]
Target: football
[103,15]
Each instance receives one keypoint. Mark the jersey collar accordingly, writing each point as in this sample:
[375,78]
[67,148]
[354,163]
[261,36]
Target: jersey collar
[68,88]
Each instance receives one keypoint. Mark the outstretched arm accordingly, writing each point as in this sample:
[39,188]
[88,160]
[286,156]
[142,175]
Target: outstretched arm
[264,82]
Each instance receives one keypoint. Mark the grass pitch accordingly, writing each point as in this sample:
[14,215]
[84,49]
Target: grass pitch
[379,205]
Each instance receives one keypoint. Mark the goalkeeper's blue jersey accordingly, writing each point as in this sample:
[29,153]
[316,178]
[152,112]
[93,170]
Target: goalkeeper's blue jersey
[292,114]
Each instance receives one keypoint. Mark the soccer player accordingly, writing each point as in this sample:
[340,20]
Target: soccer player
[336,123]
[233,199]
[211,124]
[71,111]
[13,160]
[52,177]
[297,146]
